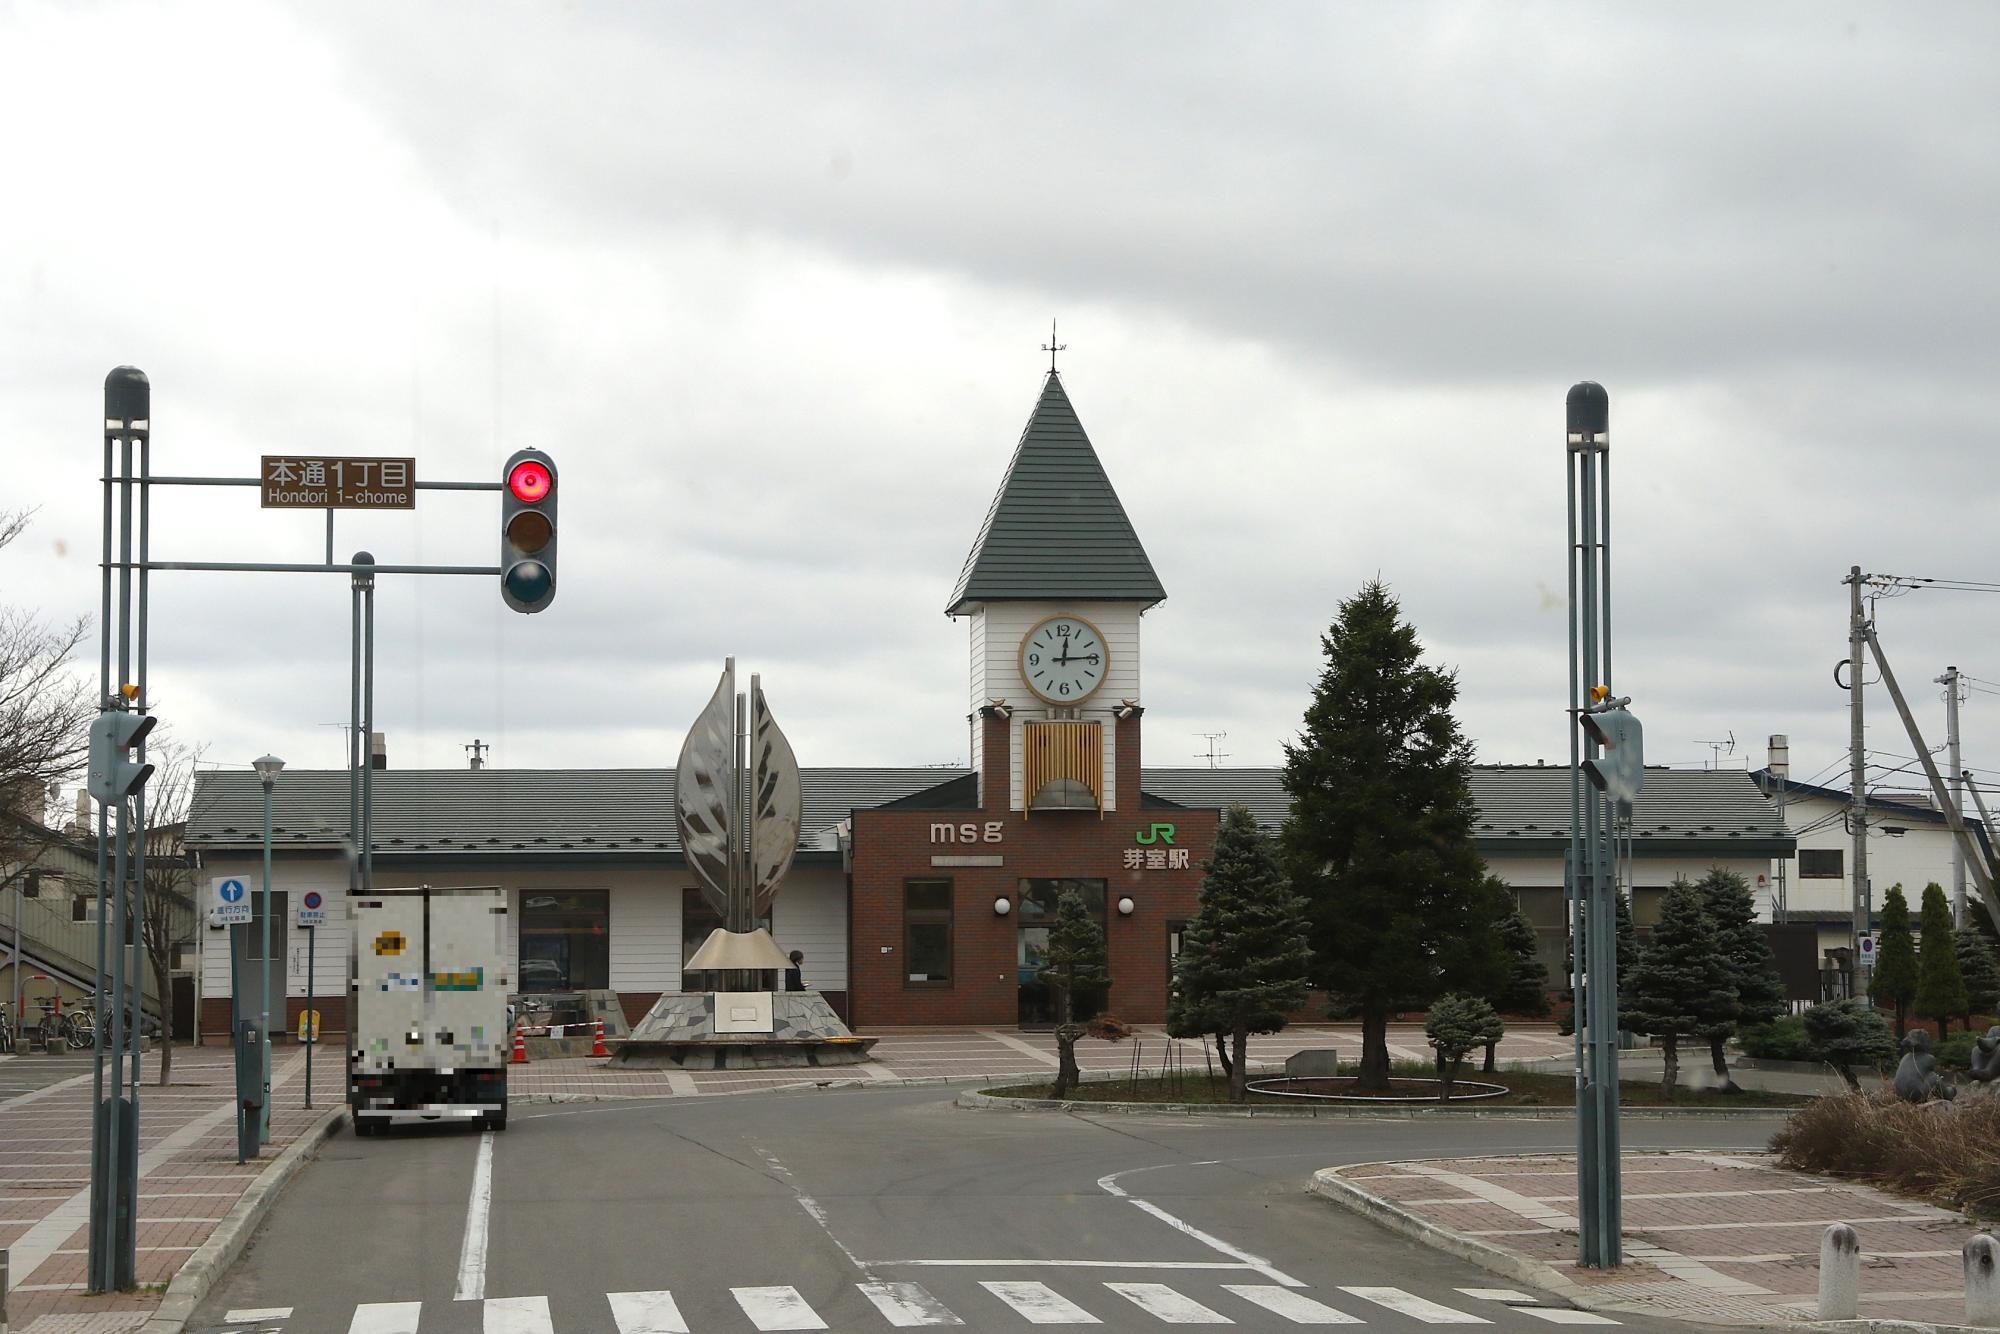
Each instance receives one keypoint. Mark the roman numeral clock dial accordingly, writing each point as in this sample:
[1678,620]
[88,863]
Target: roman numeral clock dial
[1064,660]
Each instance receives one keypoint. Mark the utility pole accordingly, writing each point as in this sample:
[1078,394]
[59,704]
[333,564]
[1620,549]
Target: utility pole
[1950,683]
[1778,763]
[1857,776]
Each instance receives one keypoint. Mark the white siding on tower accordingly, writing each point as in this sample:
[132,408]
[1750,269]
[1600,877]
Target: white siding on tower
[996,673]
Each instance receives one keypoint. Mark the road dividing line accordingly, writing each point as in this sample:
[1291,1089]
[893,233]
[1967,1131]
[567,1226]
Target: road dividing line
[384,1317]
[518,1315]
[777,1308]
[1293,1306]
[1167,1305]
[1409,1304]
[646,1313]
[472,1256]
[906,1305]
[1040,1304]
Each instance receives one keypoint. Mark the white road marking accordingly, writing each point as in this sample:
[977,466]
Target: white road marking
[777,1308]
[646,1313]
[905,1305]
[384,1317]
[1040,1304]
[818,1215]
[1503,1294]
[1293,1306]
[1110,1185]
[258,1313]
[472,1256]
[1161,1301]
[1063,1264]
[1563,1315]
[1408,1303]
[518,1315]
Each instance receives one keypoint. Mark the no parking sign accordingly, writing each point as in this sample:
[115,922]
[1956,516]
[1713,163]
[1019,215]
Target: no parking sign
[312,909]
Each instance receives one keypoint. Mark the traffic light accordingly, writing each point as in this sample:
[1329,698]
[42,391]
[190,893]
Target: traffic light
[115,772]
[528,531]
[1620,771]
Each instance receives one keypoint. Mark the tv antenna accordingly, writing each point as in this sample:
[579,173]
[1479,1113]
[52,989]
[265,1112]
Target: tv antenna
[1717,750]
[1212,754]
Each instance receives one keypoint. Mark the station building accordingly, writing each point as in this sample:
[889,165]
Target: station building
[919,896]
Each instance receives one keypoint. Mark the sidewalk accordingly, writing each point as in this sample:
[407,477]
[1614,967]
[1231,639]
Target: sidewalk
[1714,1237]
[905,1054]
[189,1180]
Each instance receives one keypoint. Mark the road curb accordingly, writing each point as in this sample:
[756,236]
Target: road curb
[215,1255]
[990,1102]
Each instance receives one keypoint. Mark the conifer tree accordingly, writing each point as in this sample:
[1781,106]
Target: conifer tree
[1244,960]
[1526,988]
[1075,958]
[1940,988]
[1682,984]
[1759,991]
[1894,979]
[1379,839]
[1455,1025]
[1846,1033]
[1981,971]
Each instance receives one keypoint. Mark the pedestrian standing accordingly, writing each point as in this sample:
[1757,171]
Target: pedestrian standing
[795,976]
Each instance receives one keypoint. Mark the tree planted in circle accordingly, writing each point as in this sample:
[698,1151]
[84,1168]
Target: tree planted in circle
[1759,992]
[1243,959]
[1894,979]
[1682,983]
[1075,958]
[1455,1025]
[1379,838]
[1940,988]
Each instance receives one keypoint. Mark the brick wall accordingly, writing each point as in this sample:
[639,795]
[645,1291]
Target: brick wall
[891,846]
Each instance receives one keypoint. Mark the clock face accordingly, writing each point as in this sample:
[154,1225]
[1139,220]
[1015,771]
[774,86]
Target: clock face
[1064,659]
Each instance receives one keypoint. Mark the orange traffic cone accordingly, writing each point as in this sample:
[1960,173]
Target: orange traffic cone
[520,1048]
[597,1048]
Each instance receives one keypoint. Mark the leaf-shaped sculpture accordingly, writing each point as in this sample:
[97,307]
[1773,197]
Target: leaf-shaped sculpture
[776,798]
[701,792]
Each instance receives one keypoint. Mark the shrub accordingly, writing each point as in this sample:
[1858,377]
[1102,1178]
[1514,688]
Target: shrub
[1945,1152]
[1780,1040]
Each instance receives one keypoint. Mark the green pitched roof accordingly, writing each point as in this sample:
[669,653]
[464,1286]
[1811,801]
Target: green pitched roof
[1056,529]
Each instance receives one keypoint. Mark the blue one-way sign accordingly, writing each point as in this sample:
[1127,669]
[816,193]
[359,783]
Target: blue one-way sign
[229,901]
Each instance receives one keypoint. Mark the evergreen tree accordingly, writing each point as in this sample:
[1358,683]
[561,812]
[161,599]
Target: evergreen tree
[1682,983]
[1981,971]
[1243,960]
[1759,991]
[1628,959]
[1525,989]
[1075,958]
[1379,839]
[1455,1025]
[1846,1034]
[1894,979]
[1940,988]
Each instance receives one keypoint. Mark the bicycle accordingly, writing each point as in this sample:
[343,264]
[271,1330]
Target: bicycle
[79,1027]
[6,1029]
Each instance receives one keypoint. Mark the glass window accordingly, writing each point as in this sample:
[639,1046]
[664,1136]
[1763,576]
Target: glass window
[1819,863]
[565,940]
[927,933]
[1039,898]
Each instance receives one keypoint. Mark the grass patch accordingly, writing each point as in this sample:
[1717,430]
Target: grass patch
[1525,1089]
[1945,1152]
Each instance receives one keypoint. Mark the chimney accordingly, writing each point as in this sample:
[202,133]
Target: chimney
[378,750]
[1779,756]
[82,822]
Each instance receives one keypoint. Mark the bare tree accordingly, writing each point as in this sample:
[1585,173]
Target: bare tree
[45,705]
[170,912]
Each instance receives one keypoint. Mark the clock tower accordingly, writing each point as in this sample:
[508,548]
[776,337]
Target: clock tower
[1054,589]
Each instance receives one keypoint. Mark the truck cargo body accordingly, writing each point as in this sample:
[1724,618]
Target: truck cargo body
[429,997]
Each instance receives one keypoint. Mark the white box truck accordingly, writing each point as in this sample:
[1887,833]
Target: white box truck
[428,1007]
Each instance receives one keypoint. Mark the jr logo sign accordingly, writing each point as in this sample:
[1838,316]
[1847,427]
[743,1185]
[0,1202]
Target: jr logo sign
[1161,832]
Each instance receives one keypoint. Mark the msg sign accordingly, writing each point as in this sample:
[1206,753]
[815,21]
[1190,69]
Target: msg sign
[290,482]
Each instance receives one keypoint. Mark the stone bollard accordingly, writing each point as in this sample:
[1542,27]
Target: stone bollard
[1839,1273]
[1982,1280]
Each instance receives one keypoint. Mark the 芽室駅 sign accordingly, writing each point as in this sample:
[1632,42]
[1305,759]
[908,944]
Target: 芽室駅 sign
[289,481]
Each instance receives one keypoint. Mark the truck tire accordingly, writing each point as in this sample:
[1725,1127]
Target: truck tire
[363,1129]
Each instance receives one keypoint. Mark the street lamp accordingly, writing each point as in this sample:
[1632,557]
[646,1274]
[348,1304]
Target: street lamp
[268,768]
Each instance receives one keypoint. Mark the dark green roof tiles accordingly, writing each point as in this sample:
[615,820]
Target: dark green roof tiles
[1055,529]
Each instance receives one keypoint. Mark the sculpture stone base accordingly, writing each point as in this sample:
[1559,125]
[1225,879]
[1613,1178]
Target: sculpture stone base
[679,1033]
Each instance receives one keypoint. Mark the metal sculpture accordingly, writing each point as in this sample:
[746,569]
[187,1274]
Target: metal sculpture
[1986,1056]
[738,802]
[1917,1079]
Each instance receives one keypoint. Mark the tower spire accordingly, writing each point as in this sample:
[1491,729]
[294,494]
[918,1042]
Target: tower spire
[1052,346]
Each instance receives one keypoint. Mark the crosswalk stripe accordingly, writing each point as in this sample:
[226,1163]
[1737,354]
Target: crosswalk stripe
[1563,1315]
[1512,1295]
[646,1313]
[257,1313]
[1040,1304]
[1157,1299]
[1409,1304]
[906,1304]
[518,1315]
[385,1318]
[1293,1306]
[777,1308]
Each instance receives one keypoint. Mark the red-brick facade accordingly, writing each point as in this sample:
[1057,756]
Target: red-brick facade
[892,846]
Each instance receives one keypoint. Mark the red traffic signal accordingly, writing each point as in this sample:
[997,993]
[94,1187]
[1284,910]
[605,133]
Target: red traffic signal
[528,531]
[530,481]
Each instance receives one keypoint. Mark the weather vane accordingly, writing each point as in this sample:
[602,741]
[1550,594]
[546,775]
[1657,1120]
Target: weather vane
[1052,347]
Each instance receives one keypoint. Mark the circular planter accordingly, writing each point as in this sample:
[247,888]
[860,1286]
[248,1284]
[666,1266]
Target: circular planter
[1327,1088]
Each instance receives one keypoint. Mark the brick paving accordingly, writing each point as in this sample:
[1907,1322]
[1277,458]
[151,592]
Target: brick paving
[1722,1236]
[189,1179]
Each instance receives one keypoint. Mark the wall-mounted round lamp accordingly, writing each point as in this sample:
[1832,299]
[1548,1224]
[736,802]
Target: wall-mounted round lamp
[1125,907]
[1002,906]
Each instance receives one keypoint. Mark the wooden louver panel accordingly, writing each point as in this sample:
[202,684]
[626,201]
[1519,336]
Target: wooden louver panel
[1053,751]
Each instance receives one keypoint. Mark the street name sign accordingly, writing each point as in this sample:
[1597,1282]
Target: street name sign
[293,482]
[312,909]
[229,901]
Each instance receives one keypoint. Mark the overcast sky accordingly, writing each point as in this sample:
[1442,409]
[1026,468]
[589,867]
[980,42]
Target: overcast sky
[770,281]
